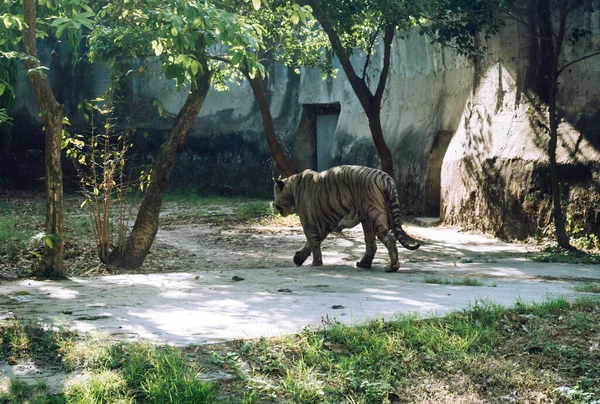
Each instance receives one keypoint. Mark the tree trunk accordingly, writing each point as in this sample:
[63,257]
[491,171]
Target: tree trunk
[284,165]
[559,219]
[385,156]
[371,103]
[53,114]
[547,49]
[146,224]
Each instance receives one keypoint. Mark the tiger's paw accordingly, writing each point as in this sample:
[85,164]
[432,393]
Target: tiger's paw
[361,264]
[392,268]
[317,263]
[299,259]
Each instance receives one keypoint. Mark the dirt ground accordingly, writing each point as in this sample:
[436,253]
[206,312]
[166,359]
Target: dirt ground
[214,236]
[258,244]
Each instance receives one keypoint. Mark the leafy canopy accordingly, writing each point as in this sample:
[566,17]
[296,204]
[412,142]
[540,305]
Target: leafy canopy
[184,35]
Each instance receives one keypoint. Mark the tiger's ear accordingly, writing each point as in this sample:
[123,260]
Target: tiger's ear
[280,184]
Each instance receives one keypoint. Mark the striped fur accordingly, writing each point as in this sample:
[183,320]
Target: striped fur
[340,198]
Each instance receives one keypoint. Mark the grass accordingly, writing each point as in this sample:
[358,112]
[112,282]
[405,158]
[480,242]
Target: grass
[528,352]
[593,287]
[454,282]
[113,372]
[222,210]
[561,255]
[22,217]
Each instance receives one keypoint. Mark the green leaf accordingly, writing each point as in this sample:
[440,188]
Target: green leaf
[2,88]
[49,242]
[256,4]
[59,21]
[195,66]
[43,112]
[61,29]
[158,105]
[158,48]
[171,72]
[295,18]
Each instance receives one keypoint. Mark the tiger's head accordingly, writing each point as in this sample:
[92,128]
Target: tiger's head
[284,198]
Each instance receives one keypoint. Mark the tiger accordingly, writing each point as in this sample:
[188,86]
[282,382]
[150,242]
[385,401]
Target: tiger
[340,198]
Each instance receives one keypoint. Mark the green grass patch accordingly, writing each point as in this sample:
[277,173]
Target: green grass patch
[17,226]
[561,255]
[483,354]
[454,282]
[593,287]
[187,207]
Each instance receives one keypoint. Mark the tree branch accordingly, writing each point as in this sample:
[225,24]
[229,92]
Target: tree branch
[576,61]
[369,52]
[388,37]
[359,86]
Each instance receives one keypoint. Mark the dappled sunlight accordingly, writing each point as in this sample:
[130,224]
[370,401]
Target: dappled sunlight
[380,291]
[184,308]
[58,292]
[224,295]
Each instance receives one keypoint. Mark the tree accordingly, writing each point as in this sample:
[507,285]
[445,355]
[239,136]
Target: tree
[361,25]
[352,25]
[70,19]
[53,115]
[552,28]
[289,37]
[183,33]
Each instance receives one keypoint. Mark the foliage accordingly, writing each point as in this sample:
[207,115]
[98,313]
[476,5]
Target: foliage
[460,282]
[566,255]
[289,34]
[100,160]
[461,24]
[57,19]
[182,34]
[593,287]
[4,117]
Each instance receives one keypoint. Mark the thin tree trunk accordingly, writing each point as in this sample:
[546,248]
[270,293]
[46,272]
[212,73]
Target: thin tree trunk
[146,224]
[371,103]
[385,156]
[547,49]
[284,165]
[53,114]
[559,219]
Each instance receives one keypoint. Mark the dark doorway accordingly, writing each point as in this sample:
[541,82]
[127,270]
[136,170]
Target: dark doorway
[313,145]
[434,172]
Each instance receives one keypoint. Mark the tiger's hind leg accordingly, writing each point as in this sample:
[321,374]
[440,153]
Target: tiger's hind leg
[387,238]
[302,254]
[371,246]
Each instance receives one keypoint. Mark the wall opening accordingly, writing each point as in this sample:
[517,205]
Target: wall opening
[313,142]
[434,173]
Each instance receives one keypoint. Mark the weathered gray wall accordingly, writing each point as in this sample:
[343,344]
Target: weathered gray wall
[495,174]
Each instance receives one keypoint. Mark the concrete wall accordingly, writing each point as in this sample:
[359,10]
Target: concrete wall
[495,174]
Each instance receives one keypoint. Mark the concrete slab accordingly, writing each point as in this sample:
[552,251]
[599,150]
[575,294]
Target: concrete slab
[205,307]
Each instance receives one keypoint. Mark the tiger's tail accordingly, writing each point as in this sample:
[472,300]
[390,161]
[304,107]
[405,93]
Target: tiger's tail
[396,220]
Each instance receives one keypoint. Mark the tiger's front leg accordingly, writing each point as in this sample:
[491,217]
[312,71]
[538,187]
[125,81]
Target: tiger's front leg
[302,254]
[314,240]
